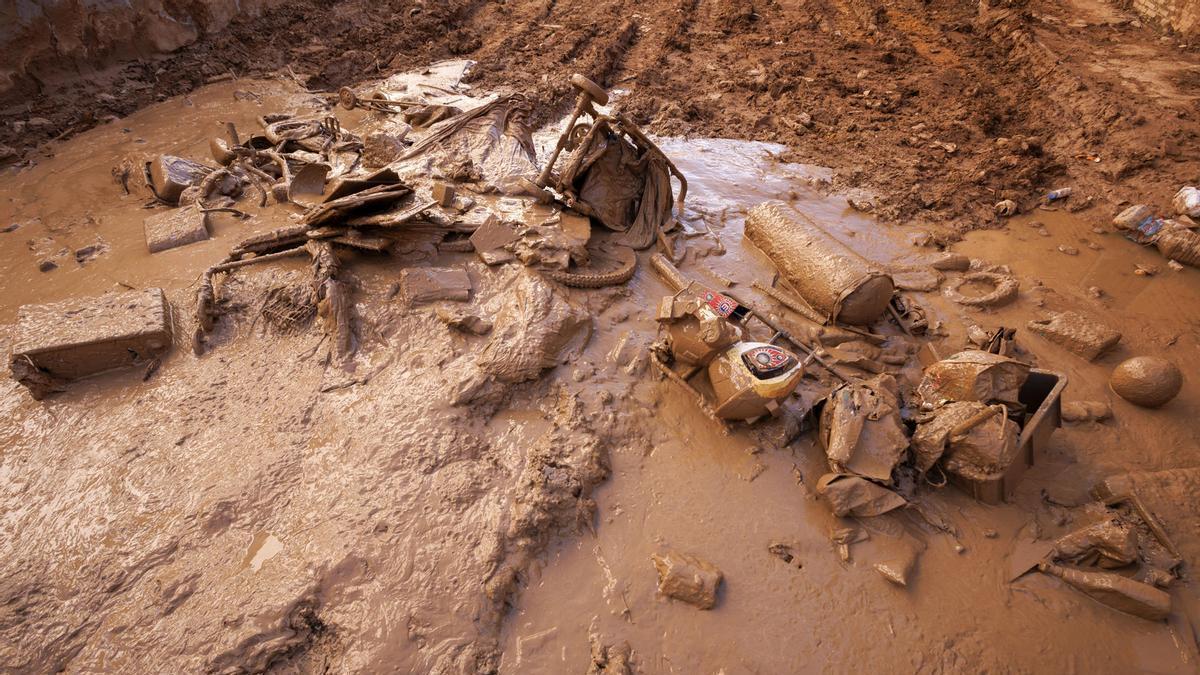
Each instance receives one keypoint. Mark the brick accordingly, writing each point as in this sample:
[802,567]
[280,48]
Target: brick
[84,336]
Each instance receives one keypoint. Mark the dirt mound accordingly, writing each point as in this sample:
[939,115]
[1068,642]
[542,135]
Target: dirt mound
[942,108]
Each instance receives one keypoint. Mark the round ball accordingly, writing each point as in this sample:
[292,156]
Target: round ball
[1147,381]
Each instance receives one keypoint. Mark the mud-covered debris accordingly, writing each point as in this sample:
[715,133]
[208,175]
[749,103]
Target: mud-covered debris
[1187,202]
[898,569]
[491,238]
[491,144]
[1080,334]
[615,173]
[1006,208]
[1076,412]
[917,280]
[832,278]
[1148,381]
[1109,543]
[443,193]
[381,149]
[1179,243]
[47,265]
[861,429]
[363,201]
[170,176]
[1116,591]
[1004,288]
[751,379]
[981,449]
[536,326]
[936,429]
[76,338]
[843,537]
[464,321]
[430,284]
[684,577]
[950,262]
[1166,502]
[857,496]
[175,227]
[973,375]
[786,553]
[609,659]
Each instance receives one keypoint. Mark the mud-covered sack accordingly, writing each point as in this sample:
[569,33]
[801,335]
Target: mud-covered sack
[1179,243]
[861,430]
[491,144]
[625,188]
[973,375]
[972,440]
[985,452]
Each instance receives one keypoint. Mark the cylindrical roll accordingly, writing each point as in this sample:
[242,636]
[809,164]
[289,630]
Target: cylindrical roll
[832,278]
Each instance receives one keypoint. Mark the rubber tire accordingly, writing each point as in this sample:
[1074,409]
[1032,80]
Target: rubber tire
[590,88]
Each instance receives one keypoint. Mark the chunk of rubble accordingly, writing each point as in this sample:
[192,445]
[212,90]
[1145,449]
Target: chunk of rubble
[856,496]
[950,262]
[176,227]
[381,149]
[430,284]
[1075,412]
[1079,334]
[684,577]
[609,659]
[917,280]
[490,239]
[63,341]
[1108,543]
[170,176]
[899,569]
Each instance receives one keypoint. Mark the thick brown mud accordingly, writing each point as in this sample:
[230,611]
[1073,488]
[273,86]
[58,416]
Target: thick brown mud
[261,508]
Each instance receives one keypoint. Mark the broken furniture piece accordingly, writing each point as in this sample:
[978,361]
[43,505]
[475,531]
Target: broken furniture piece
[62,341]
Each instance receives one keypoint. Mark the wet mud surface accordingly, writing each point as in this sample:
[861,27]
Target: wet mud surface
[259,508]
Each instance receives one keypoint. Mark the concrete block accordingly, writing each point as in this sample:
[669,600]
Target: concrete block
[80,337]
[172,175]
[173,228]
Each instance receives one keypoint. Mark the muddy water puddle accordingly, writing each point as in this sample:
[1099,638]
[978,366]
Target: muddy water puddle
[377,504]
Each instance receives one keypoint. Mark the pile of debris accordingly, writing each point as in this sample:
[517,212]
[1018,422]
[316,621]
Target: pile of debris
[1175,237]
[437,180]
